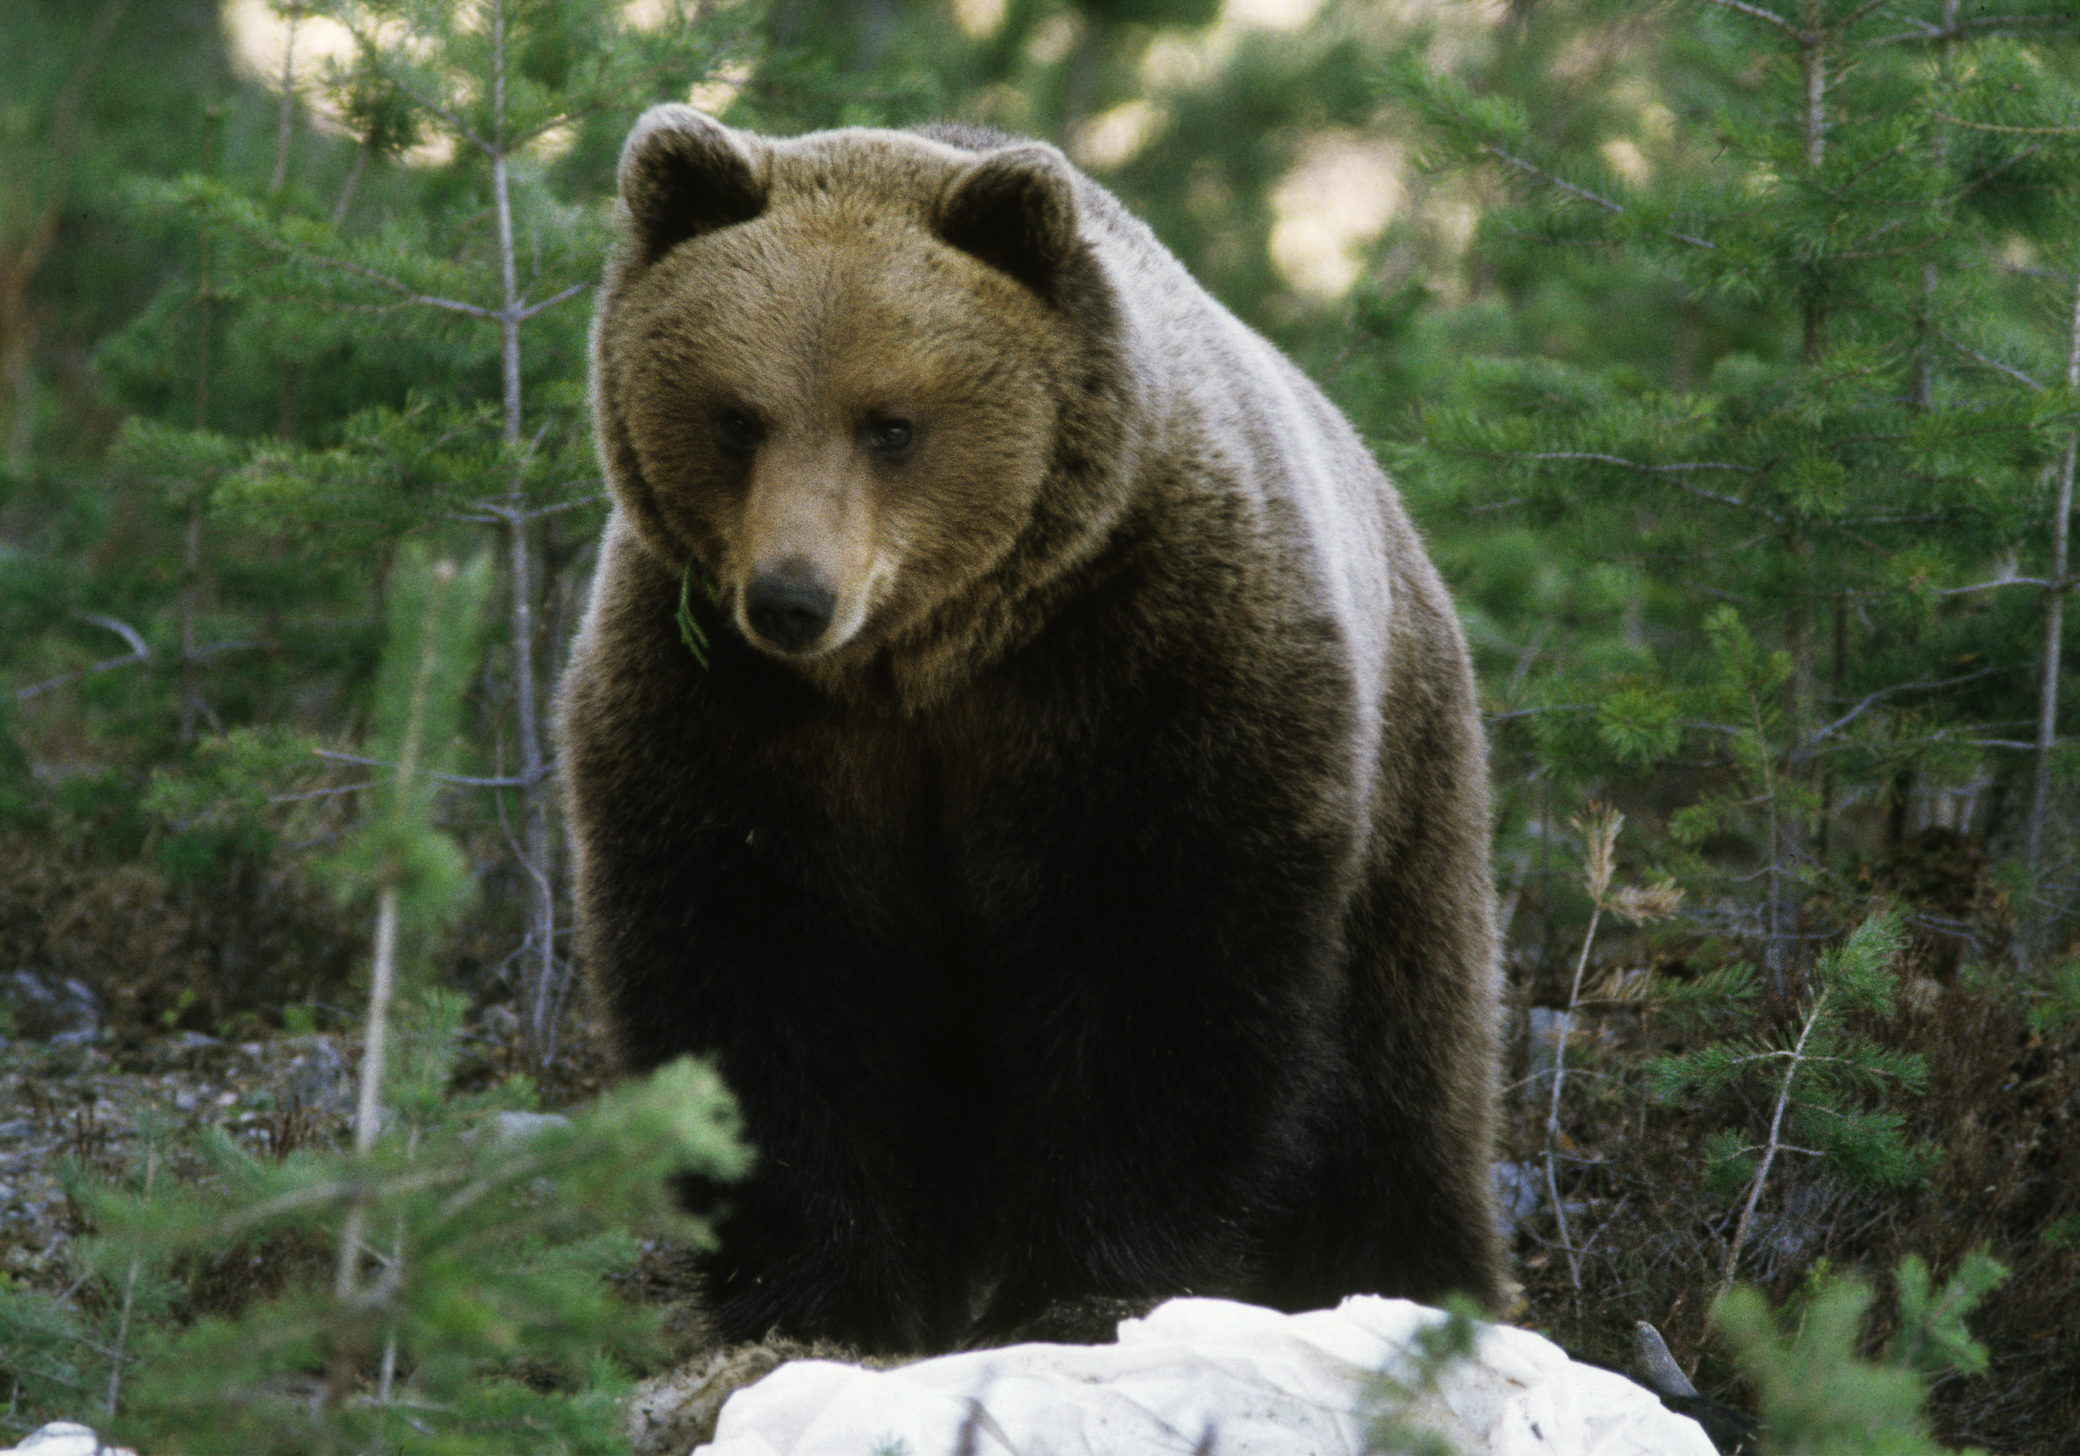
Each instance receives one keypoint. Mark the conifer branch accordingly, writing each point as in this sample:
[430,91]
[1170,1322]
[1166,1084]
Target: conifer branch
[1987,360]
[2000,581]
[405,291]
[1858,13]
[1882,694]
[1575,189]
[1572,189]
[121,628]
[140,653]
[1672,472]
[132,659]
[1757,12]
[1597,457]
[372,53]
[2008,130]
[116,1355]
[1958,30]
[1534,712]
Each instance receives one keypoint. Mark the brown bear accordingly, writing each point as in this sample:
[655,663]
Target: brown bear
[1017,733]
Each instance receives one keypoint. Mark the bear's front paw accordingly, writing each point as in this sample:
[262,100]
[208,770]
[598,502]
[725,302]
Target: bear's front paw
[1092,1319]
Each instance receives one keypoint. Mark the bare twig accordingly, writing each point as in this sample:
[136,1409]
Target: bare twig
[547,768]
[1600,833]
[1770,1150]
[528,311]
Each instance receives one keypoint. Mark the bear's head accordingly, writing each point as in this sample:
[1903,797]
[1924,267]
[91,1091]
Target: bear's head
[861,380]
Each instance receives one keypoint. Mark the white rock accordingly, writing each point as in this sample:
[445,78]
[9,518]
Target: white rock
[64,1438]
[1207,1374]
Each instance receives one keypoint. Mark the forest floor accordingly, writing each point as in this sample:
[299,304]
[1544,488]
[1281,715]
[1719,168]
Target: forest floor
[2003,1105]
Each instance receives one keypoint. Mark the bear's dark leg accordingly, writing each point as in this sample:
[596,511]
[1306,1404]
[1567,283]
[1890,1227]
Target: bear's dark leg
[1402,1202]
[719,939]
[1169,959]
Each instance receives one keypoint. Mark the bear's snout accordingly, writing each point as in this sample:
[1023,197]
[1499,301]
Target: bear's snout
[788,608]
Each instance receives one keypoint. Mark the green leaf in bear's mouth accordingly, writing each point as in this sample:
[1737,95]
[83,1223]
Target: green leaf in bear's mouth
[691,632]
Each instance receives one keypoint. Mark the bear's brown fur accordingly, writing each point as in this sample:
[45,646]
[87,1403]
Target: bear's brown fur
[1070,837]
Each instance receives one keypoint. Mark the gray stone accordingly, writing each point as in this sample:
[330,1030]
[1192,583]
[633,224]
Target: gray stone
[64,1013]
[1519,1188]
[509,1125]
[318,1080]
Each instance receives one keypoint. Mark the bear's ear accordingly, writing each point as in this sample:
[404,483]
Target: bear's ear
[1015,209]
[684,173]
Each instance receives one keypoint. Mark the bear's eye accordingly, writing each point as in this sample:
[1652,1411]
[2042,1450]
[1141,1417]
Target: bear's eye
[738,431]
[888,437]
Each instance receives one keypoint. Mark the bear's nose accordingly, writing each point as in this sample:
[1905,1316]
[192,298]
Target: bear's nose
[788,608]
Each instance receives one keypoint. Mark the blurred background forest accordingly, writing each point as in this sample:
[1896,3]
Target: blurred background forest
[1728,355]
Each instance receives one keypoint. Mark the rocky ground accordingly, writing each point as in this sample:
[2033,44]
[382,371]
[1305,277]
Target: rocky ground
[79,1093]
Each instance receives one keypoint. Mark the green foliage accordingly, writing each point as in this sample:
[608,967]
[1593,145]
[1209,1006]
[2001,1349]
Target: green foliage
[1815,1394]
[495,1247]
[1932,1337]
[1818,1397]
[1828,1077]
[2057,1006]
[486,1323]
[1777,367]
[50,1355]
[1715,442]
[216,807]
[415,741]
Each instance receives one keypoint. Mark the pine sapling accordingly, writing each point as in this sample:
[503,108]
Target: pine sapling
[1823,1072]
[463,1307]
[1819,1397]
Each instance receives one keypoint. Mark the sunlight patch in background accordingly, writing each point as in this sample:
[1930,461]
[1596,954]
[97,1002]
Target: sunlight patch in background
[1341,194]
[265,45]
[1271,14]
[260,45]
[1114,138]
[720,89]
[979,18]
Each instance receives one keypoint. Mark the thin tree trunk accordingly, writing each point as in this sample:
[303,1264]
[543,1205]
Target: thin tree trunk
[1812,54]
[382,987]
[346,190]
[1793,840]
[1925,360]
[541,982]
[2054,616]
[192,705]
